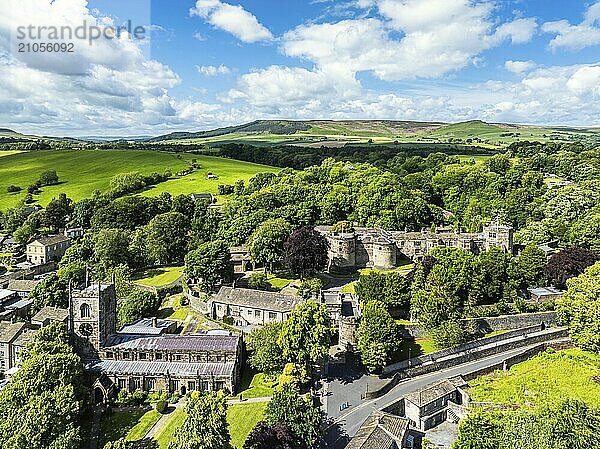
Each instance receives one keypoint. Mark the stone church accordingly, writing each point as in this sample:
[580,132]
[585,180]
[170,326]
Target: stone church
[144,356]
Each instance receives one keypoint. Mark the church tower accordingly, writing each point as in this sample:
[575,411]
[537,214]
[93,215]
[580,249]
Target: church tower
[93,317]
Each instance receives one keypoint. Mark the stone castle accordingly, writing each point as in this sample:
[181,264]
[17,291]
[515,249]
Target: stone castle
[377,248]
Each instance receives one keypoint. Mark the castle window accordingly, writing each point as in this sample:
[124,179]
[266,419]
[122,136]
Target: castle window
[158,356]
[142,356]
[85,311]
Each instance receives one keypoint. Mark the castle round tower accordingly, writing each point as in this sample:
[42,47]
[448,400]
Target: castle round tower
[384,254]
[342,251]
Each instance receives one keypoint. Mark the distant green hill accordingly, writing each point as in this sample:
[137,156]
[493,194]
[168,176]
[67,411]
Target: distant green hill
[336,133]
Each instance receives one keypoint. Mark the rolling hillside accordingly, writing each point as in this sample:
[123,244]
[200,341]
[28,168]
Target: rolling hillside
[336,133]
[83,171]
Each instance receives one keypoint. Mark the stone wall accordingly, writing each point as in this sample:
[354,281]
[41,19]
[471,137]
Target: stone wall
[491,324]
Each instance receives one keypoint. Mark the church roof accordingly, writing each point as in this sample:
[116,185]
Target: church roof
[257,299]
[162,368]
[173,342]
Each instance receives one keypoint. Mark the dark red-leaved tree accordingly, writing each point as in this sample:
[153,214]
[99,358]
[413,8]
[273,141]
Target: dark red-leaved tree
[264,436]
[569,263]
[305,251]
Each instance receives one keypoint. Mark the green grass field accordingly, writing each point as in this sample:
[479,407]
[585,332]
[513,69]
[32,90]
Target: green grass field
[165,435]
[9,152]
[83,171]
[544,379]
[255,385]
[131,425]
[158,277]
[241,418]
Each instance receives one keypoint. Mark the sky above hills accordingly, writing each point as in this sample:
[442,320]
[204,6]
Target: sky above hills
[213,63]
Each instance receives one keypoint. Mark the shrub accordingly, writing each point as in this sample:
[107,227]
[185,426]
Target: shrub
[13,189]
[258,281]
[161,406]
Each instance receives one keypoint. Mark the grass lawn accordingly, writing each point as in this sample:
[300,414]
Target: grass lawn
[546,378]
[227,170]
[158,277]
[83,171]
[143,426]
[9,152]
[280,280]
[414,348]
[242,418]
[255,385]
[165,435]
[133,425]
[173,309]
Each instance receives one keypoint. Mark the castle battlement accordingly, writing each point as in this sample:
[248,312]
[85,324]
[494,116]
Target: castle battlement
[372,247]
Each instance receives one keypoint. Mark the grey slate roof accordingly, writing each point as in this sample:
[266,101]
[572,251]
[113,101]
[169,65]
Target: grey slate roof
[51,239]
[145,326]
[5,295]
[24,339]
[17,304]
[51,313]
[173,342]
[380,431]
[162,368]
[431,393]
[256,299]
[9,331]
[22,285]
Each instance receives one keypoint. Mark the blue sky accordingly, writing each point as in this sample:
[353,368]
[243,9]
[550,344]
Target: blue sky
[214,63]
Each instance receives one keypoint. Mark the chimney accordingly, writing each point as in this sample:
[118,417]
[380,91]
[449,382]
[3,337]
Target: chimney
[154,322]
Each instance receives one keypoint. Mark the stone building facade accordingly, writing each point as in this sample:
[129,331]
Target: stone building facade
[48,248]
[369,247]
[144,356]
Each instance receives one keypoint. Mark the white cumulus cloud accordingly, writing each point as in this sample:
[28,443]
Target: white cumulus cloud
[233,19]
[211,70]
[519,67]
[576,37]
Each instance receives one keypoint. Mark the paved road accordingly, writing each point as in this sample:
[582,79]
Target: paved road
[348,422]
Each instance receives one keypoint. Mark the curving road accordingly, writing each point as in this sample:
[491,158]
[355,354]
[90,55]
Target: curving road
[346,423]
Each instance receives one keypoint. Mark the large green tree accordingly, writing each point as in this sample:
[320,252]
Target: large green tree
[306,334]
[205,425]
[167,238]
[378,336]
[266,355]
[579,308]
[298,414]
[41,405]
[209,263]
[265,245]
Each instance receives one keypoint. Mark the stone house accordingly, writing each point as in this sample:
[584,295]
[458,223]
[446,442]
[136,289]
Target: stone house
[382,430]
[9,332]
[203,197]
[22,287]
[50,315]
[46,249]
[250,307]
[430,406]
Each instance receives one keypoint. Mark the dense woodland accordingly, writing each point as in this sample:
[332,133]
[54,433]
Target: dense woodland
[273,214]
